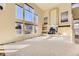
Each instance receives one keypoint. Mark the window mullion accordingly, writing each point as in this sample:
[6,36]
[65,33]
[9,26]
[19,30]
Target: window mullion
[23,21]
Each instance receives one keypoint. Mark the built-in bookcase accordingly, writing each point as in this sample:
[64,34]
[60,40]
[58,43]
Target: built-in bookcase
[75,13]
[45,26]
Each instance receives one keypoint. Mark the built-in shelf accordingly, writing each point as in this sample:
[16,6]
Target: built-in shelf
[64,26]
[44,32]
[19,22]
[44,26]
[45,23]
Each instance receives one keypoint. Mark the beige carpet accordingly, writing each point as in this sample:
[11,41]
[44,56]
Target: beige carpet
[48,47]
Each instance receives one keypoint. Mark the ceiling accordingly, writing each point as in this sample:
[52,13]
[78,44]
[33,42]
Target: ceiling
[46,6]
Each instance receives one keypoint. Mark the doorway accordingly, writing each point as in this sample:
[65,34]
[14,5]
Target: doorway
[54,18]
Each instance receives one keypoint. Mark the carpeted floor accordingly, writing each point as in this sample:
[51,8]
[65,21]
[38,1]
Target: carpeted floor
[46,47]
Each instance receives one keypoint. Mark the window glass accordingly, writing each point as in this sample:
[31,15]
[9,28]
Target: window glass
[35,29]
[19,12]
[36,19]
[26,7]
[31,10]
[28,16]
[18,28]
[75,5]
[28,29]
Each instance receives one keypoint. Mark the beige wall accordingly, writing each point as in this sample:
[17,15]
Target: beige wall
[7,24]
[53,17]
[40,14]
[67,30]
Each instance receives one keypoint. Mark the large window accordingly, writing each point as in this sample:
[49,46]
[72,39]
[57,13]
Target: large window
[28,16]
[28,13]
[35,23]
[29,23]
[19,12]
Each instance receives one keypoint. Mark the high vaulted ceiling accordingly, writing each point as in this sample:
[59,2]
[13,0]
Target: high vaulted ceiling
[46,6]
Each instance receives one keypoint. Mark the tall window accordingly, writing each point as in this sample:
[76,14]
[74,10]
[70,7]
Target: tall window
[28,17]
[19,12]
[35,23]
[28,13]
[19,16]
